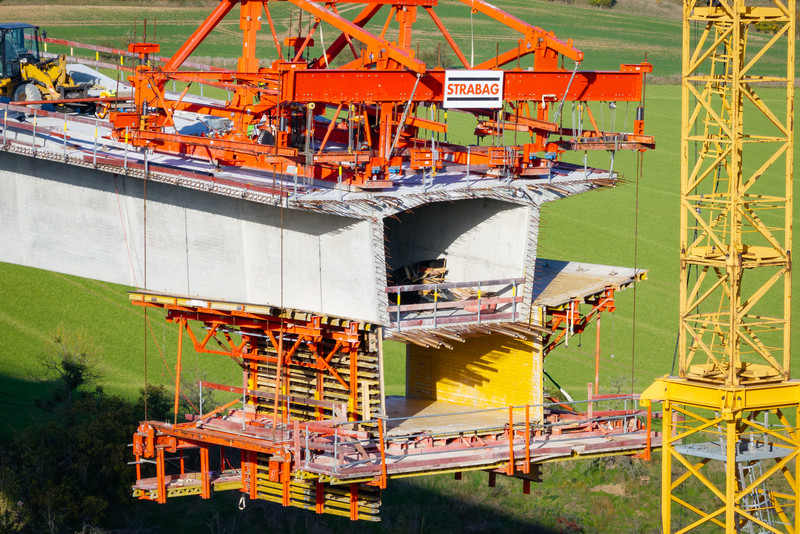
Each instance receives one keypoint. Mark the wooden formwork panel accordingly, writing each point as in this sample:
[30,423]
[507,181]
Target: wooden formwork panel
[346,500]
[490,371]
[304,381]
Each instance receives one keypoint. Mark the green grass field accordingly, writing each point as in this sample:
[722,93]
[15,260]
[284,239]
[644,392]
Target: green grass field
[598,227]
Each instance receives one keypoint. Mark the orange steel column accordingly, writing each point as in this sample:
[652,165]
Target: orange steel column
[278,382]
[527,467]
[353,382]
[181,325]
[385,140]
[511,466]
[354,502]
[597,356]
[205,469]
[286,478]
[406,16]
[253,475]
[250,458]
[320,498]
[320,393]
[160,476]
[382,438]
[250,24]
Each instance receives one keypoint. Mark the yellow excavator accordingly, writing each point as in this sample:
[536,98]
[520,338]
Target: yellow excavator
[26,75]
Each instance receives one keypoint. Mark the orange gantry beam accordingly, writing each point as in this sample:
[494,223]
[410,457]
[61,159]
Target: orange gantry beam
[373,87]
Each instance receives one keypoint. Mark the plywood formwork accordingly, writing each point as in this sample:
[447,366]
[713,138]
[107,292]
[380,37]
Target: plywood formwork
[348,500]
[488,371]
[305,379]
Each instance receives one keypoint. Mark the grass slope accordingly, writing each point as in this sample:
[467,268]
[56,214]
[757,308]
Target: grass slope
[36,304]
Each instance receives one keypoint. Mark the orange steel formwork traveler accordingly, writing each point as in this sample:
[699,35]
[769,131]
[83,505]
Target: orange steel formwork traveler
[311,428]
[357,122]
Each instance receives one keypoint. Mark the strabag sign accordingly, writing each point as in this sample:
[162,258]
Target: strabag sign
[473,89]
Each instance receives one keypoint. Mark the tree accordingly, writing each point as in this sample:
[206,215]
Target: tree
[70,469]
[12,513]
[160,405]
[70,357]
[767,26]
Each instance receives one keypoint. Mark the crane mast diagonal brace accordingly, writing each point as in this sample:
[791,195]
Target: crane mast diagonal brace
[379,81]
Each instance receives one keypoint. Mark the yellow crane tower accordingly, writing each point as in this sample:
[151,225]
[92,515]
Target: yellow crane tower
[730,429]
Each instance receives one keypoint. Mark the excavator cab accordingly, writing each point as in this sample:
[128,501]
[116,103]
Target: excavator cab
[26,75]
[19,45]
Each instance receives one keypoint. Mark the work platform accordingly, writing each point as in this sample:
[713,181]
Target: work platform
[331,425]
[555,285]
[416,438]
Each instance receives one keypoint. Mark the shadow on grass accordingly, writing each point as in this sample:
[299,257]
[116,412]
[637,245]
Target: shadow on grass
[18,399]
[426,504]
[437,504]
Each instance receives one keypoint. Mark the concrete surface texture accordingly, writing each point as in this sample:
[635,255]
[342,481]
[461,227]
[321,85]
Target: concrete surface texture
[93,224]
[482,239]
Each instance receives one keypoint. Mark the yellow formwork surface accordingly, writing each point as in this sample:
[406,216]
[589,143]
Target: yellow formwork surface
[490,371]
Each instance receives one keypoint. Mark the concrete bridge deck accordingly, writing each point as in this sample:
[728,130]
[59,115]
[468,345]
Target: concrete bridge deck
[75,201]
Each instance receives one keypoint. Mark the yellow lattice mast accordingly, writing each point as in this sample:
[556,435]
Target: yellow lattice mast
[736,197]
[732,402]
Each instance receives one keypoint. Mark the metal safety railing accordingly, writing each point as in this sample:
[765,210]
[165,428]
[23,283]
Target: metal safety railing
[437,304]
[23,120]
[64,137]
[123,60]
[518,438]
[100,52]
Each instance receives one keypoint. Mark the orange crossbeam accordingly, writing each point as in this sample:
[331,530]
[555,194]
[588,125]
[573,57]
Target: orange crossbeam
[195,436]
[377,86]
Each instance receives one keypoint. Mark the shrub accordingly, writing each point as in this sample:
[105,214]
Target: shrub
[767,26]
[603,4]
[435,57]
